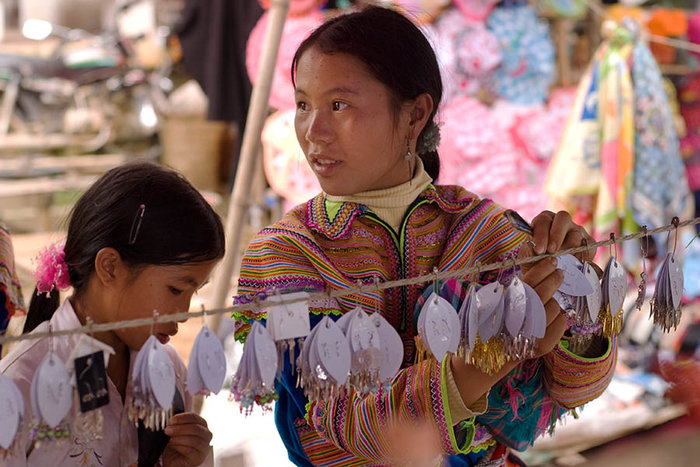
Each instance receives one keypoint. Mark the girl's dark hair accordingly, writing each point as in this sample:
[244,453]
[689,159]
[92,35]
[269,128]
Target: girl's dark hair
[395,52]
[175,226]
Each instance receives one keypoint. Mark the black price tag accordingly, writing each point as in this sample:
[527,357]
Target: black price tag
[91,377]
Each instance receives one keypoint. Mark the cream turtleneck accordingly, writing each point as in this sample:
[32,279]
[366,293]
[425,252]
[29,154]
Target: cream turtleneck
[390,204]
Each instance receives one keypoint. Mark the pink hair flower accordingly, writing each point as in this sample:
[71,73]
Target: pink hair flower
[51,269]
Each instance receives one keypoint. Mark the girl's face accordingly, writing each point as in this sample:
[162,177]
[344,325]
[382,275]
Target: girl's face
[346,126]
[167,289]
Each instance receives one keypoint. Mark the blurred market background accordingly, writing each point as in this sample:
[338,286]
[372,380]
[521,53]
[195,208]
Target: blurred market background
[86,85]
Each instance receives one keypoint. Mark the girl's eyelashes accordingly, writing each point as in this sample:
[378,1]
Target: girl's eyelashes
[174,291]
[337,105]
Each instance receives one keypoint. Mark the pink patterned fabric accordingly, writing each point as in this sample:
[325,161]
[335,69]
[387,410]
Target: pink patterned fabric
[467,52]
[285,166]
[298,7]
[502,152]
[422,11]
[51,269]
[475,150]
[477,10]
[296,29]
[694,30]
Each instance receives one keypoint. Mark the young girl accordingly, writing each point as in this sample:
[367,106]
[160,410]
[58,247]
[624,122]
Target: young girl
[367,90]
[140,239]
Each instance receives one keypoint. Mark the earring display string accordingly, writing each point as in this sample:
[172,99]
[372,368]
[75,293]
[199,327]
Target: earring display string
[344,292]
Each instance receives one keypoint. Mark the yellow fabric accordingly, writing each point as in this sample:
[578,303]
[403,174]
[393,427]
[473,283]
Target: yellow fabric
[390,204]
[457,407]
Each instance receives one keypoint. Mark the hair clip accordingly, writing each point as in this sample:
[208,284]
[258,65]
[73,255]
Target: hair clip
[136,224]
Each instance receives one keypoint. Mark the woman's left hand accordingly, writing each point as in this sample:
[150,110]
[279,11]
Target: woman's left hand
[189,441]
[554,232]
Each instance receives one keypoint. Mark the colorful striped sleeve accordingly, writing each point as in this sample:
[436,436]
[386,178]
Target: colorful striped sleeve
[371,426]
[572,380]
[274,260]
[529,400]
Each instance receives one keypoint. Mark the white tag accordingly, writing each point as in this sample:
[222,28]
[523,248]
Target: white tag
[473,319]
[617,286]
[195,385]
[20,399]
[441,326]
[465,309]
[574,282]
[593,300]
[536,315]
[211,360]
[487,298]
[490,324]
[566,302]
[515,303]
[9,411]
[391,347]
[161,376]
[675,275]
[344,321]
[54,391]
[362,333]
[288,321]
[333,350]
[265,354]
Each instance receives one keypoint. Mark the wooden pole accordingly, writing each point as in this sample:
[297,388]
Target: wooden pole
[240,194]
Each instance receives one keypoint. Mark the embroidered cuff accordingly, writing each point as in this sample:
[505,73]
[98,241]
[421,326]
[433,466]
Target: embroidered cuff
[456,405]
[461,433]
[573,380]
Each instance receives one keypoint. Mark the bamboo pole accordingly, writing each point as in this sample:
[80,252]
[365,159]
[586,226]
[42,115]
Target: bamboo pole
[240,194]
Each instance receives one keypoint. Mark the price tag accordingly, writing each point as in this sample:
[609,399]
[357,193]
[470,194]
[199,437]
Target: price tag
[265,354]
[333,350]
[54,393]
[91,381]
[574,282]
[211,360]
[441,326]
[536,315]
[593,300]
[675,275]
[9,411]
[391,347]
[287,320]
[161,376]
[515,303]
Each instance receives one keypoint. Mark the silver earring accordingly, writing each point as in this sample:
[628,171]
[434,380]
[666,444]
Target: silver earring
[409,154]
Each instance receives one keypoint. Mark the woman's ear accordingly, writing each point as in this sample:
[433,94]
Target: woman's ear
[109,266]
[420,113]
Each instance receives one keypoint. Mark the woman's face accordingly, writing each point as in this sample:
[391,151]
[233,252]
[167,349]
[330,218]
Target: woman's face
[167,289]
[346,126]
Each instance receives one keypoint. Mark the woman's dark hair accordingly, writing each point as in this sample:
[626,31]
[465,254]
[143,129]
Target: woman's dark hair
[395,52]
[149,214]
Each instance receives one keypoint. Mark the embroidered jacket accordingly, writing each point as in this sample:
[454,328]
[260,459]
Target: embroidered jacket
[325,245]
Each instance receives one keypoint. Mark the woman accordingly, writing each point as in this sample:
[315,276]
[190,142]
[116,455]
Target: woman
[367,90]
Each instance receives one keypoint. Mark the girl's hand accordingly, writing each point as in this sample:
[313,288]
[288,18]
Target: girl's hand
[189,440]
